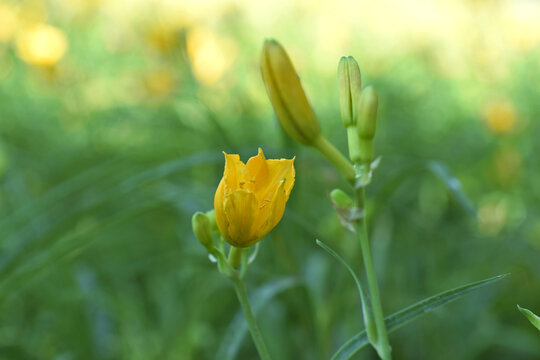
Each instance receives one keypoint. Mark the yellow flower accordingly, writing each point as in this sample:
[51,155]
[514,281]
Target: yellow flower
[250,199]
[42,45]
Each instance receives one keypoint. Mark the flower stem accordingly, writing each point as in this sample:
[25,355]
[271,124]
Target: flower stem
[235,256]
[241,293]
[337,159]
[383,345]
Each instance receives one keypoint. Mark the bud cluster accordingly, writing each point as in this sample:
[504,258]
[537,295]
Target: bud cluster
[358,111]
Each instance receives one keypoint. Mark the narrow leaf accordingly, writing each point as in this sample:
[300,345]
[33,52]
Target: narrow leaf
[342,261]
[442,172]
[534,319]
[238,327]
[366,304]
[402,317]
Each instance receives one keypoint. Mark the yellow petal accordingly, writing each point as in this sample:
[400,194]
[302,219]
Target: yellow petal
[236,174]
[240,210]
[277,171]
[258,170]
[221,219]
[271,214]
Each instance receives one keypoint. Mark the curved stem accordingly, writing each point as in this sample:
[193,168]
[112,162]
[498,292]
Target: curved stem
[337,159]
[383,345]
[241,293]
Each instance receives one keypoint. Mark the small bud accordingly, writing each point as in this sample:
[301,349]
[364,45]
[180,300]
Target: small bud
[212,217]
[287,95]
[350,85]
[202,228]
[340,198]
[367,113]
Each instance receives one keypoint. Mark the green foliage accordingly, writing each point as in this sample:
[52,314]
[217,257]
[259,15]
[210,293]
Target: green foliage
[532,317]
[102,167]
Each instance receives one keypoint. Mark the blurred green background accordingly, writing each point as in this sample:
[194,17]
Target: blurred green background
[113,116]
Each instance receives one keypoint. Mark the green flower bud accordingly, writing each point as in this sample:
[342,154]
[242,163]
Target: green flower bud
[367,113]
[287,95]
[350,85]
[212,217]
[366,123]
[202,228]
[340,198]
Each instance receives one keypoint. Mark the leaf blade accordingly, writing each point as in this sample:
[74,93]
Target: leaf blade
[367,310]
[443,173]
[532,317]
[404,316]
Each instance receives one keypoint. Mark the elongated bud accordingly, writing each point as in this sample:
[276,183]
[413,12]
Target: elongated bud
[367,113]
[287,95]
[366,122]
[340,198]
[350,85]
[202,228]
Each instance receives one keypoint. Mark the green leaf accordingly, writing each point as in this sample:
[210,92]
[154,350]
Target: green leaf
[442,172]
[366,304]
[238,327]
[402,317]
[534,319]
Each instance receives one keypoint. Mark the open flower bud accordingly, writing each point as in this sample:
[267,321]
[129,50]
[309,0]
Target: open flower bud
[287,95]
[250,199]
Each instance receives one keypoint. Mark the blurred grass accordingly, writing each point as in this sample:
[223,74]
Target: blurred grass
[106,153]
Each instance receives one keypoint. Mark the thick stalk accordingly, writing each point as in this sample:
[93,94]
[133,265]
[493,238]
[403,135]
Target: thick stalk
[241,293]
[383,345]
[235,256]
[335,157]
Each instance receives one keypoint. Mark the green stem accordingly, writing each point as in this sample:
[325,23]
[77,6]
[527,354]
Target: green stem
[337,159]
[235,256]
[241,293]
[383,345]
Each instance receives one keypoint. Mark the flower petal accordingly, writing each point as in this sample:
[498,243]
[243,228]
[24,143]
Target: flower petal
[221,220]
[277,171]
[258,170]
[271,214]
[236,174]
[240,210]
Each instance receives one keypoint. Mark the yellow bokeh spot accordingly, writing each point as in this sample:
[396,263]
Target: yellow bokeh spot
[211,55]
[492,215]
[159,82]
[500,117]
[8,22]
[507,165]
[42,45]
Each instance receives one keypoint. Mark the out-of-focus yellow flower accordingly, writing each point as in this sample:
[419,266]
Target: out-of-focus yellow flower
[250,199]
[42,45]
[8,22]
[159,82]
[210,55]
[500,117]
[162,38]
